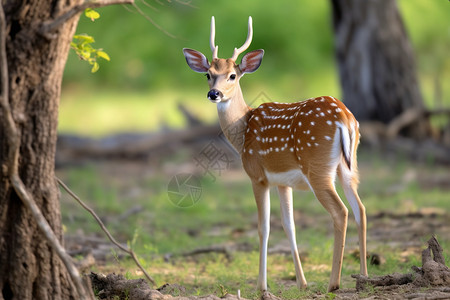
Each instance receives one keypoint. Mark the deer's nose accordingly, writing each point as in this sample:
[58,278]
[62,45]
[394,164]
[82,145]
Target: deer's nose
[214,95]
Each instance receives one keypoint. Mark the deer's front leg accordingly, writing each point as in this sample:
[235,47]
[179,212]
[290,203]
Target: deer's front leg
[262,198]
[287,214]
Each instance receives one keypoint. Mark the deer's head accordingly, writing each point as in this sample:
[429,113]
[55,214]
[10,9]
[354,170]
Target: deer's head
[224,74]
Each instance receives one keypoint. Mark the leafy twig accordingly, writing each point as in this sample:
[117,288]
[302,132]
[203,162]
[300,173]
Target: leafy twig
[81,44]
[105,230]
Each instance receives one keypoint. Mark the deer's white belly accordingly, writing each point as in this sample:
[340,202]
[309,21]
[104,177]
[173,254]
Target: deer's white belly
[293,178]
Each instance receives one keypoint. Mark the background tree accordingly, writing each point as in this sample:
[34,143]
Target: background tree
[35,38]
[376,61]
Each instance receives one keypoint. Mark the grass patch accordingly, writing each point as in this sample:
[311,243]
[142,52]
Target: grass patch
[226,215]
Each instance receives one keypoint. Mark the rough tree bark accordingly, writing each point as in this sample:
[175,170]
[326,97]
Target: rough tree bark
[375,60]
[36,56]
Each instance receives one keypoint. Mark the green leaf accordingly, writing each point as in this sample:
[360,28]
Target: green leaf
[84,38]
[91,14]
[95,67]
[85,54]
[103,55]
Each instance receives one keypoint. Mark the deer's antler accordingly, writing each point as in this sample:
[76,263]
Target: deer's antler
[247,42]
[214,48]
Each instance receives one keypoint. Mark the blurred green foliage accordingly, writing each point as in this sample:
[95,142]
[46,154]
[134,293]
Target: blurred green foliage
[297,36]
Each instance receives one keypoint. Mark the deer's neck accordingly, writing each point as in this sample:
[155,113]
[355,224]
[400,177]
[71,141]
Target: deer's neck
[233,118]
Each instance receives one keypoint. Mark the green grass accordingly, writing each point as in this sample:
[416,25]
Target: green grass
[226,214]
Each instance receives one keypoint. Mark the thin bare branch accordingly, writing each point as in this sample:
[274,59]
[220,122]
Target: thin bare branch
[187,3]
[45,228]
[152,21]
[105,230]
[50,26]
[149,5]
[13,160]
[13,141]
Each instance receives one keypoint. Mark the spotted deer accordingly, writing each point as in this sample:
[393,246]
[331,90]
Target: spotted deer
[301,145]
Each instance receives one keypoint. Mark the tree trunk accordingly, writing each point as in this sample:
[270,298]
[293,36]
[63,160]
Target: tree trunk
[29,268]
[375,60]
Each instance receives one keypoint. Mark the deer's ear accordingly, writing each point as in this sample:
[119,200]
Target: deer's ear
[251,61]
[196,60]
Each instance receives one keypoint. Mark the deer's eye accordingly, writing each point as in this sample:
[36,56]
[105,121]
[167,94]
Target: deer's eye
[232,76]
[208,76]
